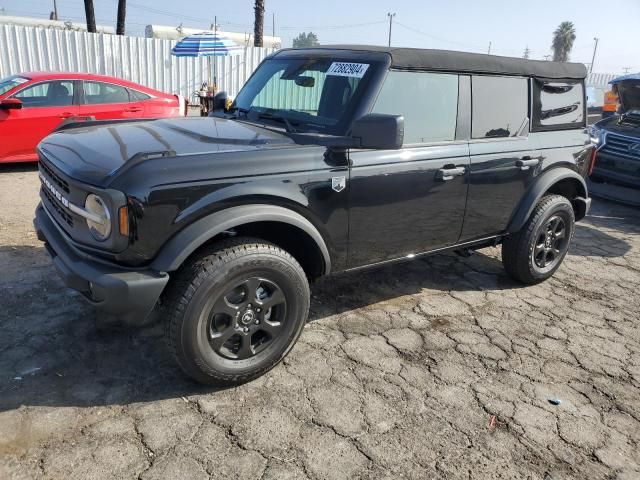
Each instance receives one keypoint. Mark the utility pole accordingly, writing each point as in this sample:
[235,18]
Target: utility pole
[489,50]
[54,14]
[593,59]
[390,15]
[122,14]
[626,70]
[258,26]
[91,16]
[273,24]
[527,53]
[547,57]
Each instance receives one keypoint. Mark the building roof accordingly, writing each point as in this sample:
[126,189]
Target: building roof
[452,61]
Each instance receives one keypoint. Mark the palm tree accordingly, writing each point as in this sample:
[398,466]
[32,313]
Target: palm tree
[122,13]
[563,39]
[91,16]
[258,27]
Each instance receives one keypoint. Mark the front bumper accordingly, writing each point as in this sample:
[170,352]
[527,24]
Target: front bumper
[129,295]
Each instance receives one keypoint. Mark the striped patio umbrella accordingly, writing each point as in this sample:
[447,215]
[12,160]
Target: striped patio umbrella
[206,44]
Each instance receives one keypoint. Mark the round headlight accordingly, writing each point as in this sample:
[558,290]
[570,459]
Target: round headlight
[100,230]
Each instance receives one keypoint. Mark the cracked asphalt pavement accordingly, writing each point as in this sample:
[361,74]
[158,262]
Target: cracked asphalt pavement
[438,368]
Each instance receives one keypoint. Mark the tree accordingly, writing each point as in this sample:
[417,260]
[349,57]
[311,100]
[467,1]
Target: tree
[563,39]
[91,16]
[122,13]
[258,26]
[306,40]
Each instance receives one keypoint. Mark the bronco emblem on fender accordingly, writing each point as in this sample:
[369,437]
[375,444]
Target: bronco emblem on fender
[338,183]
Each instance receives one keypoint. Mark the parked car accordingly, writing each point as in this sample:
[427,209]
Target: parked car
[32,105]
[330,159]
[618,137]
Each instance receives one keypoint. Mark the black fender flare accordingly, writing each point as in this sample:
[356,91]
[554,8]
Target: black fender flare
[188,240]
[542,184]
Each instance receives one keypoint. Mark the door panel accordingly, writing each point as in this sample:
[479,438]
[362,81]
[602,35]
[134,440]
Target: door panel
[504,158]
[403,202]
[501,170]
[46,105]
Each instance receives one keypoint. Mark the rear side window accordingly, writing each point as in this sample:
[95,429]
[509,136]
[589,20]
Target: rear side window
[428,102]
[137,96]
[499,106]
[96,93]
[557,104]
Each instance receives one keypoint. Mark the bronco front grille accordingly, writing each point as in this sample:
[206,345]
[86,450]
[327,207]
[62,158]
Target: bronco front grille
[622,146]
[53,177]
[59,209]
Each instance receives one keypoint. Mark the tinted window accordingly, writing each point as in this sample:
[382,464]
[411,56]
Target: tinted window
[499,106]
[558,103]
[57,93]
[428,101]
[97,93]
[137,96]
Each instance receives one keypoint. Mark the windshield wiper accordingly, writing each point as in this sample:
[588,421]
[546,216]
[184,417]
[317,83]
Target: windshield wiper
[288,125]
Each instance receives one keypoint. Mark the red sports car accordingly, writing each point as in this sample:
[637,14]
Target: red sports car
[32,105]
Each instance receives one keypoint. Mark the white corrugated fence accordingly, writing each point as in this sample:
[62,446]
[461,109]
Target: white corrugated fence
[146,61]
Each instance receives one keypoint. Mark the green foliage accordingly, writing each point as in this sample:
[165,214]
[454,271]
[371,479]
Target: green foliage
[306,40]
[563,39]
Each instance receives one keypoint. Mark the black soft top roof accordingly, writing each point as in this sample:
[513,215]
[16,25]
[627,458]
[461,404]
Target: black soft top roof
[451,61]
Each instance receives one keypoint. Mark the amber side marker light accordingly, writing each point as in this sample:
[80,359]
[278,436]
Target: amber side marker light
[123,221]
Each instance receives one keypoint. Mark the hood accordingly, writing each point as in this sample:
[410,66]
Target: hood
[626,124]
[629,94]
[91,153]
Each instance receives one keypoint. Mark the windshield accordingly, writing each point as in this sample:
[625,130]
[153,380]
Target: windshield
[305,94]
[9,83]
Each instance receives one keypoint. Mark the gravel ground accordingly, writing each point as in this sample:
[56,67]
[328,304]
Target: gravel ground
[439,368]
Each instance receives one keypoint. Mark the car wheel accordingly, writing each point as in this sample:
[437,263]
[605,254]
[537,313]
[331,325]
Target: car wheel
[235,311]
[535,252]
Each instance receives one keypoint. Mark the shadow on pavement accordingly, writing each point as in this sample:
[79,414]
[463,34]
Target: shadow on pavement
[18,167]
[51,353]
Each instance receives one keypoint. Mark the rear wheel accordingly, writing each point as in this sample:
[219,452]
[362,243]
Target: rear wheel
[235,311]
[535,252]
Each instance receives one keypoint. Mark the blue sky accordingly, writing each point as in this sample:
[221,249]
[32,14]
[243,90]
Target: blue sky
[467,25]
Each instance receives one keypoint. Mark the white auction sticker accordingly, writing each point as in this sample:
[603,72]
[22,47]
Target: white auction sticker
[344,69]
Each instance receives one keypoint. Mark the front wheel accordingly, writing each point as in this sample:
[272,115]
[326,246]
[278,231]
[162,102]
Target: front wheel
[535,252]
[236,311]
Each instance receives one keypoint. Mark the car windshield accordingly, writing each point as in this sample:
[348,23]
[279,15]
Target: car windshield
[9,83]
[305,94]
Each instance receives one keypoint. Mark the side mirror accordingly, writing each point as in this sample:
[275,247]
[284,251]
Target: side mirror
[220,101]
[379,131]
[11,104]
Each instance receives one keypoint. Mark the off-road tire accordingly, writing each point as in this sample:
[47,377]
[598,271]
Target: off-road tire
[208,274]
[518,248]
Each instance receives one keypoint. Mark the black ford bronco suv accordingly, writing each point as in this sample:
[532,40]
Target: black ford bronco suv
[330,159]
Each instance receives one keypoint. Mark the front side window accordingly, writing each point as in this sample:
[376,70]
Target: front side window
[57,93]
[428,102]
[499,106]
[96,93]
[10,83]
[557,104]
[311,94]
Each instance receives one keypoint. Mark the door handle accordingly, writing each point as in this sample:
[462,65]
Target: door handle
[132,110]
[527,162]
[65,115]
[449,173]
